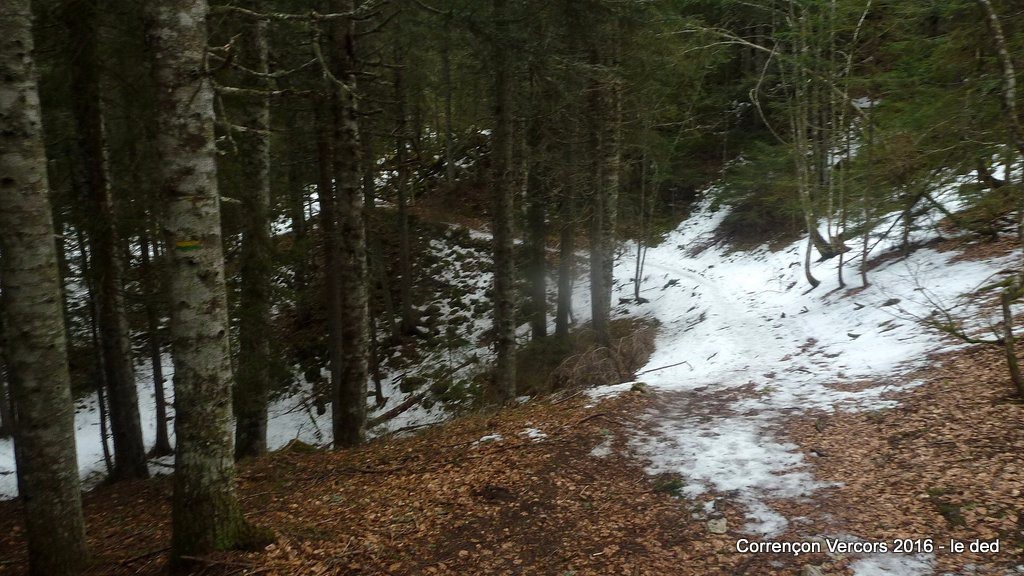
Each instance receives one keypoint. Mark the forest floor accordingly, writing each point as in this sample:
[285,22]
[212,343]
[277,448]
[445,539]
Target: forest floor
[551,488]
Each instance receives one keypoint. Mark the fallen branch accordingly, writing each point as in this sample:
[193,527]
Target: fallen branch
[413,400]
[407,404]
[591,417]
[666,367]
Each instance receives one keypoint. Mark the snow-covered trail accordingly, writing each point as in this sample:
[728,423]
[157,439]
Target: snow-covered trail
[723,345]
[743,345]
[720,313]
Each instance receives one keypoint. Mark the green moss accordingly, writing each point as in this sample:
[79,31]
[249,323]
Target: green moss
[672,485]
[951,512]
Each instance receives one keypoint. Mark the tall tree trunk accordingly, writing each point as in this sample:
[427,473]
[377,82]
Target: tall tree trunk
[612,163]
[152,295]
[571,180]
[865,206]
[608,109]
[566,256]
[600,297]
[34,324]
[405,278]
[799,117]
[63,271]
[374,267]
[349,398]
[206,515]
[331,238]
[252,388]
[104,245]
[504,384]
[536,218]
[446,79]
[368,167]
[537,226]
[297,213]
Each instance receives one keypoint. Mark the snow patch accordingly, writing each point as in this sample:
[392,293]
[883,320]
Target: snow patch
[533,434]
[489,438]
[894,565]
[602,450]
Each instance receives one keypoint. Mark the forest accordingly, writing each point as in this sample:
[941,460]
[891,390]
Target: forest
[560,287]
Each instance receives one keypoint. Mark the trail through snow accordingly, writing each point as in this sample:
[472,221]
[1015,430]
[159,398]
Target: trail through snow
[743,344]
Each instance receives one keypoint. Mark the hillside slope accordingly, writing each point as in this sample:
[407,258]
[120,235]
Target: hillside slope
[745,348]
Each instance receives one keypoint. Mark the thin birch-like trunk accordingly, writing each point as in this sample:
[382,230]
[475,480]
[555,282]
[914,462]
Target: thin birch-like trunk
[205,515]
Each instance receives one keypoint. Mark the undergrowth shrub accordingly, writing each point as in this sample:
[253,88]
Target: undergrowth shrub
[576,361]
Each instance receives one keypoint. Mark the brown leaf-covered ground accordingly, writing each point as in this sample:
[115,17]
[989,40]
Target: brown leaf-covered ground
[946,463]
[438,503]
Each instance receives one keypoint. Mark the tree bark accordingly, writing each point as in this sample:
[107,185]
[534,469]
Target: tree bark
[504,382]
[104,245]
[349,397]
[252,389]
[206,515]
[34,324]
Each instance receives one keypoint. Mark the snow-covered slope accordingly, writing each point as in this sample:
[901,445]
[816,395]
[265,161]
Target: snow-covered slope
[743,344]
[460,277]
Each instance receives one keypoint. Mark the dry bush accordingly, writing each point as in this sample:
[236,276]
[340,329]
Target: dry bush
[601,366]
